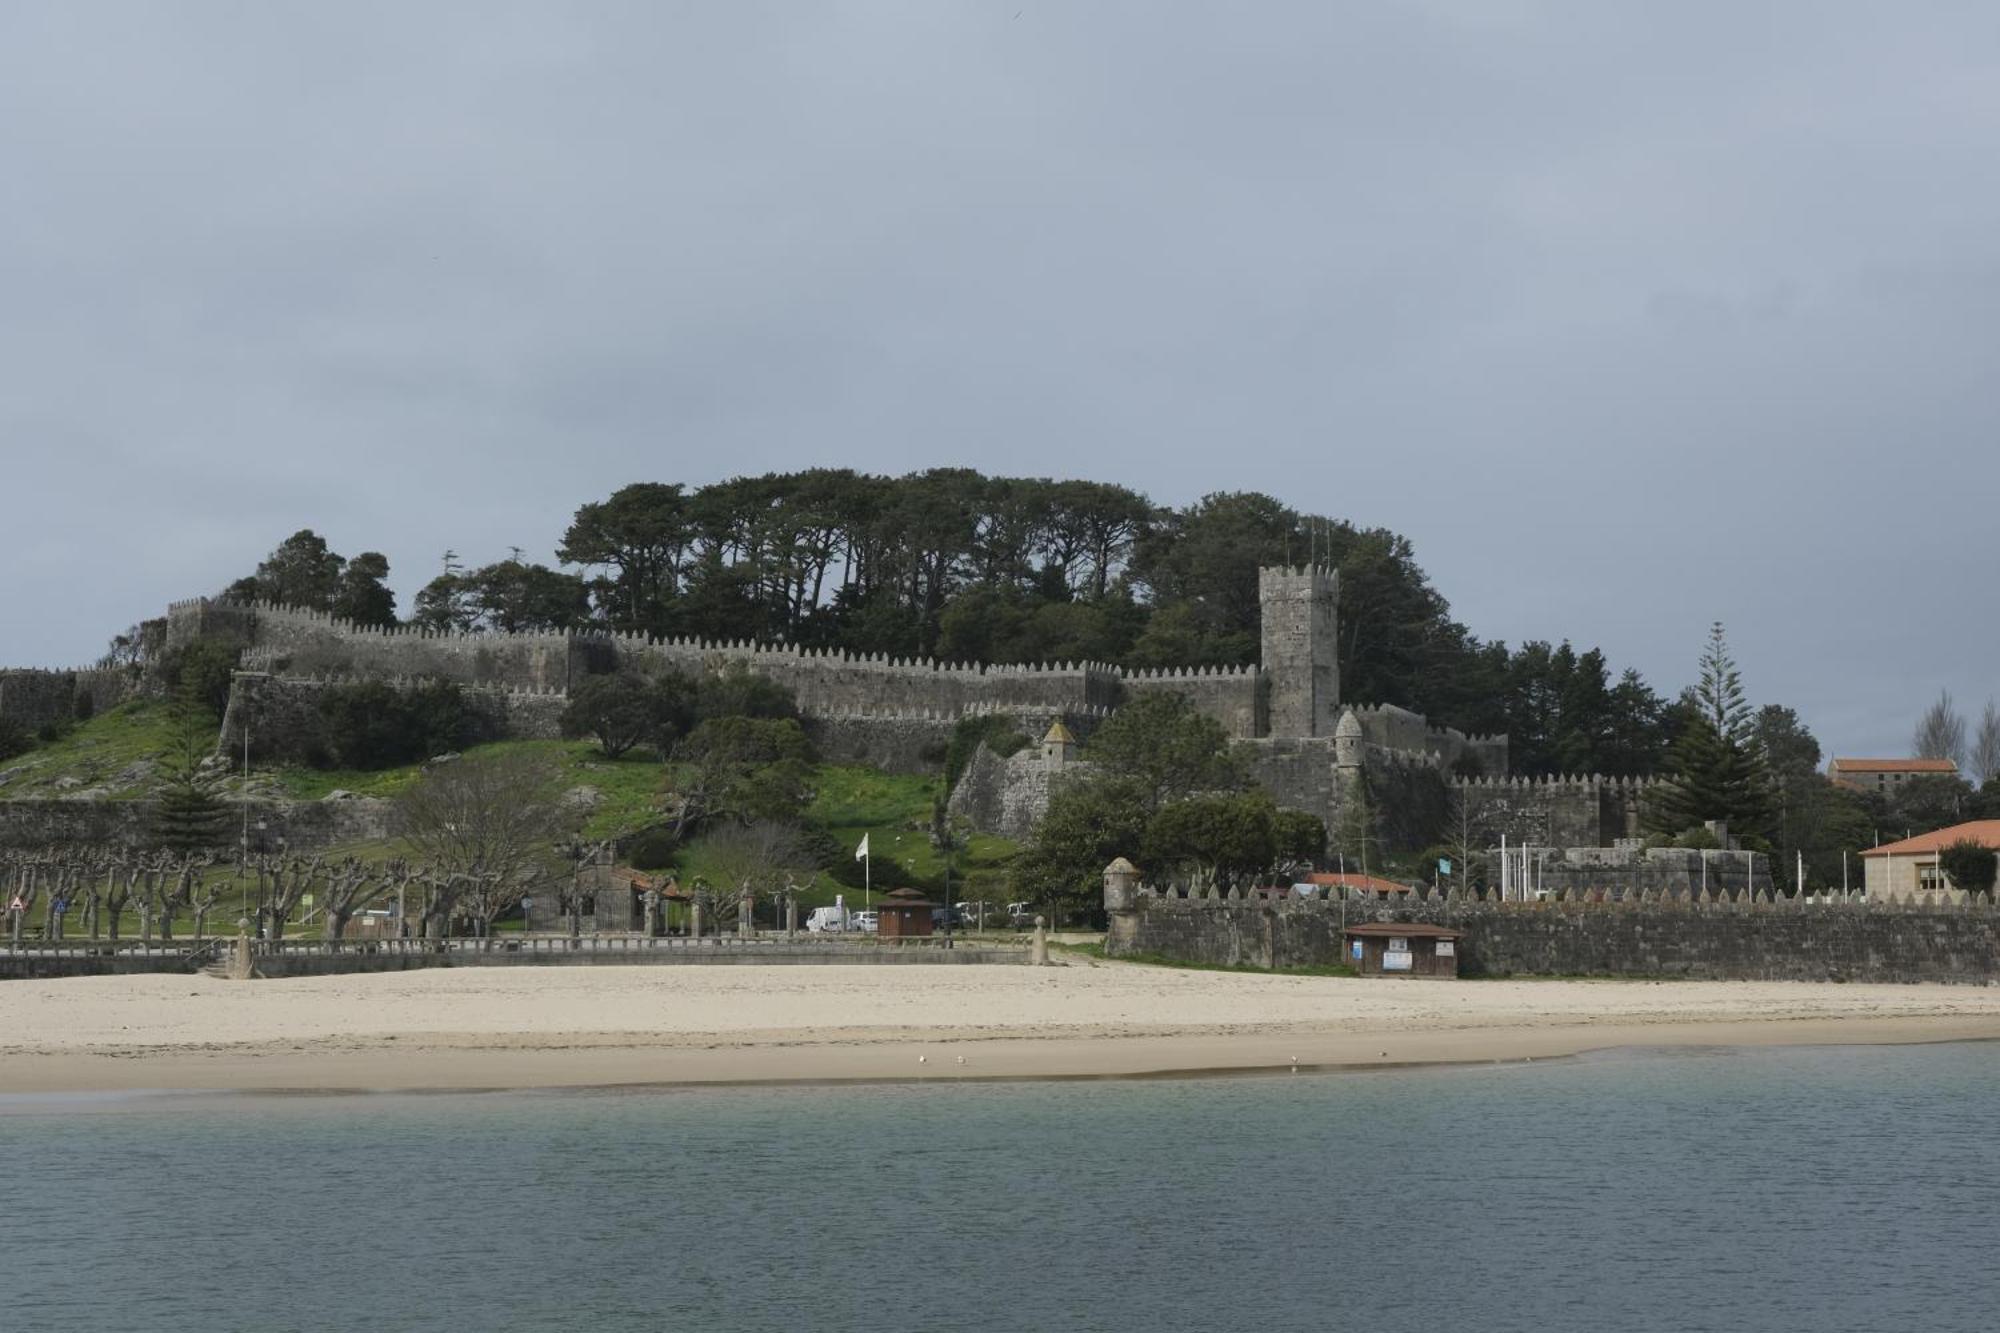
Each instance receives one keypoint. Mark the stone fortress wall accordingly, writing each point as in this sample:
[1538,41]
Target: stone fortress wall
[898,713]
[33,699]
[1741,934]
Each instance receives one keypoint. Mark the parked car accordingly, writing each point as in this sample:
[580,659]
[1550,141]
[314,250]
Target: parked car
[975,914]
[827,920]
[1021,916]
[947,918]
[862,921]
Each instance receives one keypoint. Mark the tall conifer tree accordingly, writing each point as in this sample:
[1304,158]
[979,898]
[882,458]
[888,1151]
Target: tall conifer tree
[1717,767]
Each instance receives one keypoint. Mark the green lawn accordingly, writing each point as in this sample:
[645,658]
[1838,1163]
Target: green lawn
[105,752]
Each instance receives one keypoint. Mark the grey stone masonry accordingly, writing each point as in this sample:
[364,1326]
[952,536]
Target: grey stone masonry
[1301,647]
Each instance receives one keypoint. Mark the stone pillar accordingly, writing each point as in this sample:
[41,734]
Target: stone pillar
[694,917]
[1121,905]
[1038,953]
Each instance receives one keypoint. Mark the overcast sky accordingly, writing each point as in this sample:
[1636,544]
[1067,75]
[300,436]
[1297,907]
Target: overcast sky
[1631,316]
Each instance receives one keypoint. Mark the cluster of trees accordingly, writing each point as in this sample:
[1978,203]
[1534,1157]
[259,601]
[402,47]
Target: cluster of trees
[1762,771]
[952,563]
[1169,789]
[1943,733]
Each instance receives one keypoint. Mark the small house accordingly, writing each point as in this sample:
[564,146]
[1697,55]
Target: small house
[904,915]
[1401,949]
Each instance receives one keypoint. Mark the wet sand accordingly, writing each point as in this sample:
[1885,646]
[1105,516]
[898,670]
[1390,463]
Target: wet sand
[605,1026]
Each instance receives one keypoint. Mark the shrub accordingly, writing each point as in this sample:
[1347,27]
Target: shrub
[14,739]
[374,725]
[1970,866]
[652,849]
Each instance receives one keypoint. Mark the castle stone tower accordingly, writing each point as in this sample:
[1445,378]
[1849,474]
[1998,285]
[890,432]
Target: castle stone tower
[1301,647]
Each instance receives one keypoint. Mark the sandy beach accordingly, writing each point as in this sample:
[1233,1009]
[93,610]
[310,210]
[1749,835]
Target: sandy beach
[601,1026]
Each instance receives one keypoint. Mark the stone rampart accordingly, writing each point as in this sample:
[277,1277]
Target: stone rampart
[34,698]
[1575,811]
[1233,696]
[1723,938]
[304,825]
[1388,727]
[289,641]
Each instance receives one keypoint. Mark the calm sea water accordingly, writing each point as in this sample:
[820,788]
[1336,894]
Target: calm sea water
[1770,1190]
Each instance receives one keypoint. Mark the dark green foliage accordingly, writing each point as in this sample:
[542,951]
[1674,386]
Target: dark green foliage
[1230,840]
[737,691]
[618,711]
[1718,769]
[1298,838]
[1970,866]
[302,571]
[188,813]
[996,733]
[362,594]
[14,738]
[509,597]
[372,724]
[654,849]
[1087,825]
[1922,804]
[1160,743]
[201,671]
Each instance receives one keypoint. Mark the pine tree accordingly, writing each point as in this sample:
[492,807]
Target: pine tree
[188,814]
[1718,769]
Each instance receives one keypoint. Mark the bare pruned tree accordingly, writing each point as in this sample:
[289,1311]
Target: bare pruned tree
[1940,732]
[491,827]
[748,858]
[346,889]
[1984,758]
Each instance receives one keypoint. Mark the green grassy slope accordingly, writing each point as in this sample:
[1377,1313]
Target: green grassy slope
[113,755]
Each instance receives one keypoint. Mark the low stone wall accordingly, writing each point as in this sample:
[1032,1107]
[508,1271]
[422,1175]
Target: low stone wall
[1717,938]
[305,826]
[105,959]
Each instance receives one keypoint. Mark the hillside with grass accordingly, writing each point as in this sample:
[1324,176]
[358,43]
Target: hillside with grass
[117,756]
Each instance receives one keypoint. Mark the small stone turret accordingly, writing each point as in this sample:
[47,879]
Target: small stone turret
[1350,743]
[1059,746]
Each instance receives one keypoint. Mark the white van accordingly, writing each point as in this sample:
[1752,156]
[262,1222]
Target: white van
[827,920]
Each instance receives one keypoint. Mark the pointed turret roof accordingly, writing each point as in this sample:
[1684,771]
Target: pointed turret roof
[1349,725]
[1059,733]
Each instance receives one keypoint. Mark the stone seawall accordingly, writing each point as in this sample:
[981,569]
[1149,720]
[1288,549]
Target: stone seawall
[1719,939]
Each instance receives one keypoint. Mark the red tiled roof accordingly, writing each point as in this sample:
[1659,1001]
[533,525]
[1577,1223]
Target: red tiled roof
[1350,880]
[1985,832]
[1410,930]
[1894,766]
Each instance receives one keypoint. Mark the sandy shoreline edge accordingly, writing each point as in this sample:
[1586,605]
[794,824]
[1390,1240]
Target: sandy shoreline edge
[260,1069]
[482,1029]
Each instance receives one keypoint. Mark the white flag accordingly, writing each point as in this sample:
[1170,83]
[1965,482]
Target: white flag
[861,852]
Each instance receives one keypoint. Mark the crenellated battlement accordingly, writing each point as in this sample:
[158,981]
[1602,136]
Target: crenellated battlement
[1736,933]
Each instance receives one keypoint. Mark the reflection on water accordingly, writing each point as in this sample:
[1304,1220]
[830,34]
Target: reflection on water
[1800,1189]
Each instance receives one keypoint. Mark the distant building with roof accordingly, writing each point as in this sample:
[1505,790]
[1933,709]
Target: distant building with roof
[1883,776]
[1897,869]
[1354,882]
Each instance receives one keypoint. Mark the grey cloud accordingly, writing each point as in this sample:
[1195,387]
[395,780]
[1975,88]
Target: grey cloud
[1632,317]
